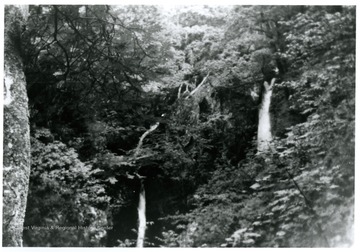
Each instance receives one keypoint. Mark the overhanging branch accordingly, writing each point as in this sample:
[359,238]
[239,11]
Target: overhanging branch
[199,86]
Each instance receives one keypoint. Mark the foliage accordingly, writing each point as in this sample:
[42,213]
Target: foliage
[85,63]
[63,194]
[100,76]
[301,194]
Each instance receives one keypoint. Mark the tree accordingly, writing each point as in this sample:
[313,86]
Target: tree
[99,76]
[16,161]
[302,192]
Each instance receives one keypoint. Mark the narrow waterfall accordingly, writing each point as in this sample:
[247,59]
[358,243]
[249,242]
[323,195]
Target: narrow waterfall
[152,128]
[264,127]
[142,217]
[142,201]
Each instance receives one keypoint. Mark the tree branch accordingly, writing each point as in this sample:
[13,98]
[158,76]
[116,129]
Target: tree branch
[179,91]
[60,45]
[199,86]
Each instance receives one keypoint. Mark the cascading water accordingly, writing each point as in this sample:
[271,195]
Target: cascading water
[138,148]
[142,200]
[264,127]
[142,217]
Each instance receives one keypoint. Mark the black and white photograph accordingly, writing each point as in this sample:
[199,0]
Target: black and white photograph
[178,125]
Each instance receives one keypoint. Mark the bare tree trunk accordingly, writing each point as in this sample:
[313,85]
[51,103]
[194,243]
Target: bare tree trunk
[199,86]
[16,162]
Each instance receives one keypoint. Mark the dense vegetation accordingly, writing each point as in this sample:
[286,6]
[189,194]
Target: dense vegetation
[99,76]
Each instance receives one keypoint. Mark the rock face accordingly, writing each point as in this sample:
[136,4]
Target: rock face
[16,163]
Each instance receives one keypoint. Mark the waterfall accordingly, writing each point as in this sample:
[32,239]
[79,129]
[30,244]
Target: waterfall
[152,128]
[264,127]
[142,201]
[142,217]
